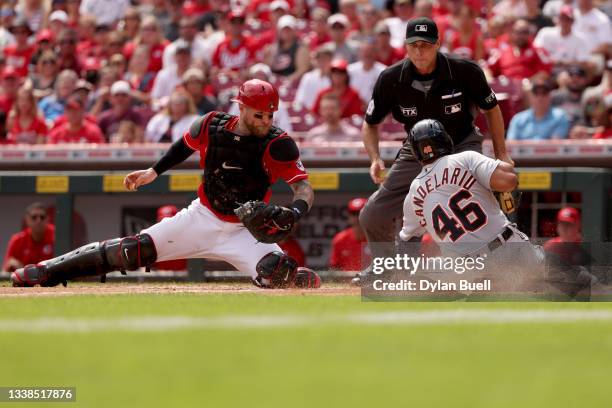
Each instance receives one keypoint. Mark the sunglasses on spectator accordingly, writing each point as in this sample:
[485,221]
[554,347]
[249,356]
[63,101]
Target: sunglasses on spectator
[540,91]
[48,62]
[36,217]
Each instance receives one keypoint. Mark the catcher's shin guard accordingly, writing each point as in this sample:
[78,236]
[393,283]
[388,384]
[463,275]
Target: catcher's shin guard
[97,258]
[278,270]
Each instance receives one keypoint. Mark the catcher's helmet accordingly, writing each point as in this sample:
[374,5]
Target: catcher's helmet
[430,141]
[259,95]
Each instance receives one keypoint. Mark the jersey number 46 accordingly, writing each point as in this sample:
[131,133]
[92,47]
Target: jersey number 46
[470,217]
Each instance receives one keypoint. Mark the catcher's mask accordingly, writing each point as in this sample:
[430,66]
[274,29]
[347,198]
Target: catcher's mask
[429,141]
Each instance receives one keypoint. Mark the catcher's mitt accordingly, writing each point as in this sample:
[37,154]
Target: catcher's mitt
[268,223]
[509,201]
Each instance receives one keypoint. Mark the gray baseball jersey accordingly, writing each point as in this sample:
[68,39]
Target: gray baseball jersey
[451,199]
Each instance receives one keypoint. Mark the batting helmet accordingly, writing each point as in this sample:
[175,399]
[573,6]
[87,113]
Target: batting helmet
[430,141]
[259,95]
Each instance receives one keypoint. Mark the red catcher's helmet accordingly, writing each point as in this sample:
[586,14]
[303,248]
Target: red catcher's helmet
[259,95]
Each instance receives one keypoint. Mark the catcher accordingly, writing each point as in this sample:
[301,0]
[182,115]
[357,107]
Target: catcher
[242,156]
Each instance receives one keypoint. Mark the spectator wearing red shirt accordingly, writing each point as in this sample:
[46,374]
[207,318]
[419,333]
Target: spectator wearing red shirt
[195,8]
[277,9]
[76,129]
[518,58]
[319,29]
[18,55]
[24,125]
[566,249]
[385,53]
[466,40]
[169,211]
[348,246]
[236,52]
[10,85]
[32,245]
[350,102]
[152,37]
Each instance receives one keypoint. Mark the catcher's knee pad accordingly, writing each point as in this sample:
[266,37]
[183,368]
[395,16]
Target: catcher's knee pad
[130,253]
[276,270]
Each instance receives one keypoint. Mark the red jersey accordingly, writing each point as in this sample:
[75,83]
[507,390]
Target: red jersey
[396,54]
[236,56]
[464,50]
[350,102]
[193,8]
[22,247]
[569,252]
[29,135]
[290,171]
[155,55]
[516,63]
[347,252]
[18,59]
[292,248]
[88,133]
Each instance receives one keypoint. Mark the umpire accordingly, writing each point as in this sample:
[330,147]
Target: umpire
[426,85]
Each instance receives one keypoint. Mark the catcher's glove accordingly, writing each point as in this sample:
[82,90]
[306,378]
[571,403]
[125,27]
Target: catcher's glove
[268,223]
[508,201]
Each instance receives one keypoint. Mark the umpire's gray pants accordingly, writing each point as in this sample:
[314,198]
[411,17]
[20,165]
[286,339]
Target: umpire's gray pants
[383,211]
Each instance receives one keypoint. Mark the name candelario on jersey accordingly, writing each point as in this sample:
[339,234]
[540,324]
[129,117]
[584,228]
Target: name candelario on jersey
[460,177]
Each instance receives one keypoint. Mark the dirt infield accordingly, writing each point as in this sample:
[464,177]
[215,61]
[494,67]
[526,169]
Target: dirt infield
[170,288]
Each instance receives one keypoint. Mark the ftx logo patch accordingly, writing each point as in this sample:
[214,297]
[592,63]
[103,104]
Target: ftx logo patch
[450,109]
[412,111]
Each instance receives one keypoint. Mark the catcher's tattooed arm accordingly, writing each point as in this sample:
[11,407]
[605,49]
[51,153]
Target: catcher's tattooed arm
[302,190]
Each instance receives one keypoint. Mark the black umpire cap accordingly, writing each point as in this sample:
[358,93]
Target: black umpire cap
[421,29]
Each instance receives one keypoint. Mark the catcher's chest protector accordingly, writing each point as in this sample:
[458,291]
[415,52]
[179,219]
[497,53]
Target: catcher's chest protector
[234,173]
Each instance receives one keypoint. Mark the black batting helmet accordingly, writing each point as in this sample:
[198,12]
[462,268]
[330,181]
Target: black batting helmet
[430,141]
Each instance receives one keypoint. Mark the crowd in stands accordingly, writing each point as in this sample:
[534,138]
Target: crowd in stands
[120,71]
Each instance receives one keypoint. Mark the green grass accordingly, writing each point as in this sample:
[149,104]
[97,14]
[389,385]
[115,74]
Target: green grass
[563,364]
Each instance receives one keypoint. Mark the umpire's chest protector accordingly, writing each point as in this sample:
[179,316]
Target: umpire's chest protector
[233,171]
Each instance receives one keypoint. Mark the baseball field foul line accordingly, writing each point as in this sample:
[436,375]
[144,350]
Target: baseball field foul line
[400,318]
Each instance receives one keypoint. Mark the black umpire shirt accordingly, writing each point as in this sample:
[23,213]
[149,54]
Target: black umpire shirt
[450,94]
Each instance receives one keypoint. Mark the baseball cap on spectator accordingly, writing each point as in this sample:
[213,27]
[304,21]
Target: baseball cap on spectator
[193,74]
[9,72]
[20,22]
[356,204]
[568,214]
[325,49]
[279,5]
[59,15]
[182,46]
[45,35]
[83,84]
[287,21]
[91,64]
[421,29]
[260,68]
[381,28]
[74,102]
[338,18]
[566,11]
[120,87]
[166,211]
[236,15]
[339,64]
